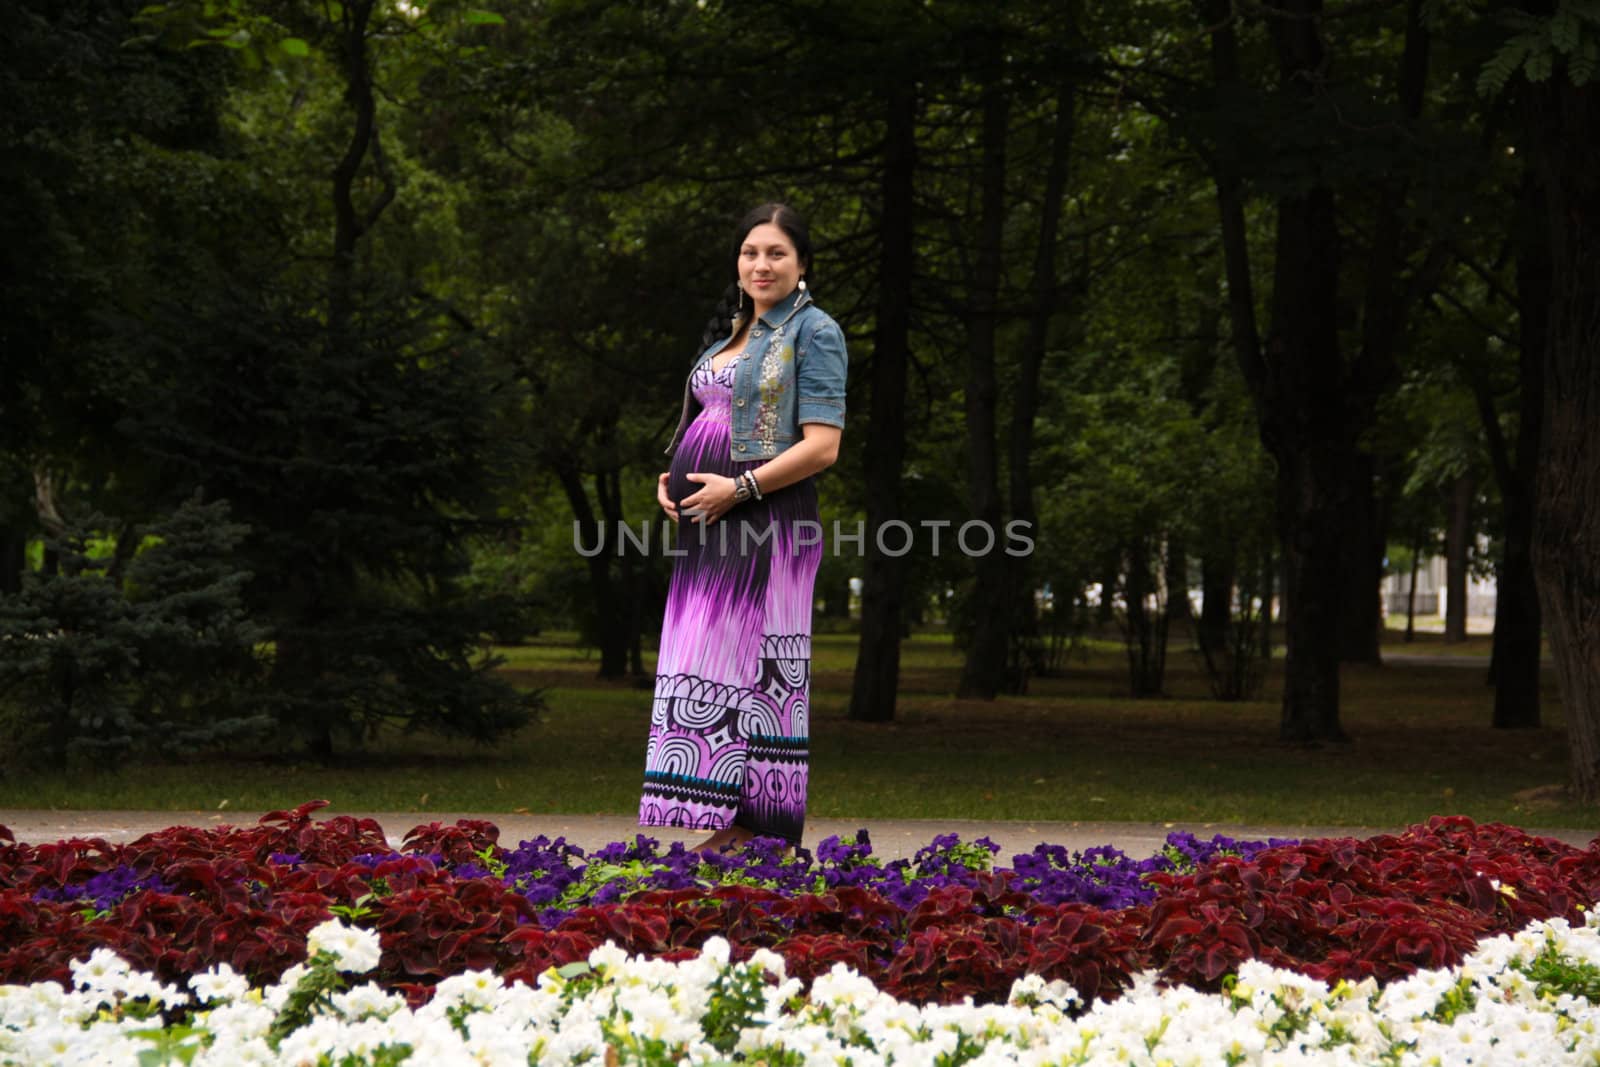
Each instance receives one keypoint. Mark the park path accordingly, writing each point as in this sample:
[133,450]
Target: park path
[891,838]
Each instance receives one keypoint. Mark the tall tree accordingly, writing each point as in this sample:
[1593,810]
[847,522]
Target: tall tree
[1313,403]
[1025,391]
[1515,667]
[984,672]
[1558,47]
[108,162]
[1387,303]
[877,673]
[349,420]
[1295,374]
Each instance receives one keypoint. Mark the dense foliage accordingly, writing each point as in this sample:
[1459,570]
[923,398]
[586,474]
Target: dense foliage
[1224,298]
[161,658]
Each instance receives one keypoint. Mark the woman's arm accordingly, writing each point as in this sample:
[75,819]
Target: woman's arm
[816,451]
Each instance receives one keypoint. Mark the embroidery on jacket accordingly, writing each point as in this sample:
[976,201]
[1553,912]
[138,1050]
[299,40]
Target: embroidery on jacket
[771,389]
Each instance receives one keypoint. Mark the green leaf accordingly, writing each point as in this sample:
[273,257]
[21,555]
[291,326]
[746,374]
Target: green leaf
[178,1044]
[1565,31]
[573,970]
[479,17]
[1497,72]
[1540,66]
[1585,64]
[295,46]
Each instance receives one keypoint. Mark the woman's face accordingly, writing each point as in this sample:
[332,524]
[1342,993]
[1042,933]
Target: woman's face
[769,266]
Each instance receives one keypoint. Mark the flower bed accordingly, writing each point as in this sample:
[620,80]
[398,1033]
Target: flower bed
[940,927]
[1445,937]
[1524,999]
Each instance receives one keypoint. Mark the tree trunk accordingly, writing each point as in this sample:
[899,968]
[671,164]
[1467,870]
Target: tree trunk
[1517,630]
[1269,591]
[13,560]
[349,222]
[636,648]
[1301,405]
[1457,542]
[1025,395]
[1145,634]
[299,667]
[1566,544]
[1514,667]
[1178,607]
[129,537]
[1385,309]
[983,674]
[595,533]
[1315,449]
[60,731]
[1411,592]
[1309,505]
[836,596]
[872,697]
[1217,576]
[626,611]
[1360,615]
[1110,579]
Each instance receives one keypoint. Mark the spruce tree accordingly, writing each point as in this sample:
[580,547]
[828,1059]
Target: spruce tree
[165,661]
[362,461]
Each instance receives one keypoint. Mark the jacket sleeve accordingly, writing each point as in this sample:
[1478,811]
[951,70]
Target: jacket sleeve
[820,374]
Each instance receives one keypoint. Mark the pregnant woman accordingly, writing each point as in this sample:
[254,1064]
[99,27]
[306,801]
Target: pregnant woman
[763,411]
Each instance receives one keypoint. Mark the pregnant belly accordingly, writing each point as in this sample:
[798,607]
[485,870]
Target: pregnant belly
[704,450]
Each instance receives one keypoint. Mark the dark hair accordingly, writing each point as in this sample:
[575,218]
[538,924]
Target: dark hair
[794,227]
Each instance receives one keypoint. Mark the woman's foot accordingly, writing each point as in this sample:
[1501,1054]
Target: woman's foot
[727,837]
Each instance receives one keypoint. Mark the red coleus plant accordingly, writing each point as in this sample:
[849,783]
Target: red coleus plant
[1384,906]
[188,898]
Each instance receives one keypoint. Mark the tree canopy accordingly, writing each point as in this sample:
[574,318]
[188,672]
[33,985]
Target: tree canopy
[1221,299]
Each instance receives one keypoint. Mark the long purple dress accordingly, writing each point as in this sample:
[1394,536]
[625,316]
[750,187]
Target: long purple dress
[730,722]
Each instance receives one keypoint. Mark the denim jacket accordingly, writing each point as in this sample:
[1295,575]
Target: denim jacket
[792,372]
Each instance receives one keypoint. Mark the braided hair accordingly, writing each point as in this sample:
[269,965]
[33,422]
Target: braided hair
[733,300]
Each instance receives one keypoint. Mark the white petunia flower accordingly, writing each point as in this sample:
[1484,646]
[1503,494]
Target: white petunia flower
[103,971]
[355,951]
[473,989]
[1273,1017]
[242,1020]
[218,983]
[491,1043]
[233,1051]
[277,995]
[366,1001]
[1032,990]
[608,956]
[769,961]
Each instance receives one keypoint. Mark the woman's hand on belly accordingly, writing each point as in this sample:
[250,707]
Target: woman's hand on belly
[712,500]
[663,499]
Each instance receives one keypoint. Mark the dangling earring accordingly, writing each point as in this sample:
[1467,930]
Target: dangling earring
[802,285]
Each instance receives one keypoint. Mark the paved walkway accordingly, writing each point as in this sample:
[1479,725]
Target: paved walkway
[891,838]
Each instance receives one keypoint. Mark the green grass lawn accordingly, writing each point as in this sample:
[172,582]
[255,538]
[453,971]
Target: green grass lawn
[1073,748]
